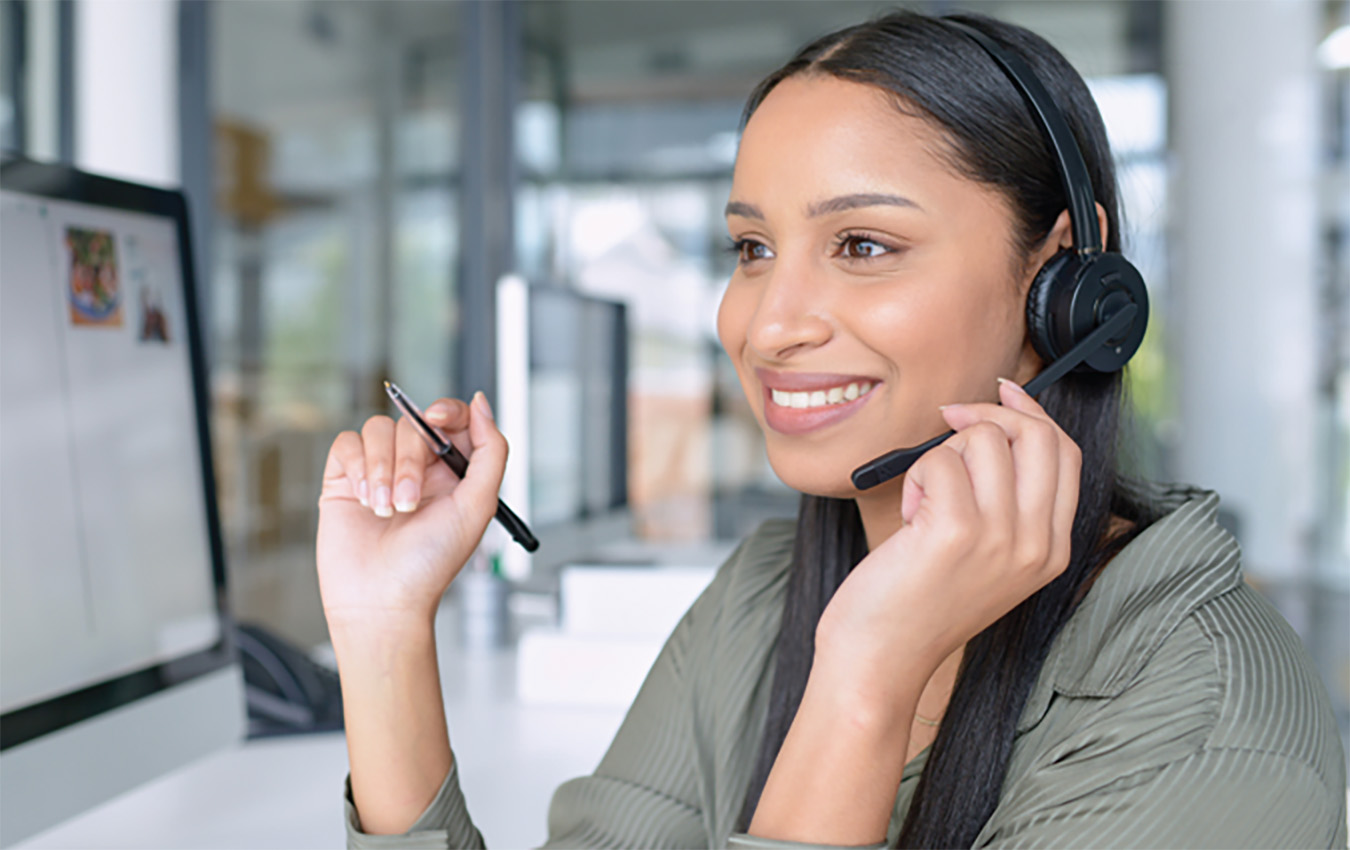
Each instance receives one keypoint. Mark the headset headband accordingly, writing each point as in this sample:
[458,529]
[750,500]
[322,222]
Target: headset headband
[1087,237]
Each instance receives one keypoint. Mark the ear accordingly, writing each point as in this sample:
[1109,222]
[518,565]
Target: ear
[1061,235]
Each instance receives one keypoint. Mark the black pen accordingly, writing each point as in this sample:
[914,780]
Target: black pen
[446,451]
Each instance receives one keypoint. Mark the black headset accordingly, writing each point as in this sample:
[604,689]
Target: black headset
[1087,308]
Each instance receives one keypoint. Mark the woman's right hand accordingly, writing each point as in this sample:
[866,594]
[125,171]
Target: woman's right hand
[395,524]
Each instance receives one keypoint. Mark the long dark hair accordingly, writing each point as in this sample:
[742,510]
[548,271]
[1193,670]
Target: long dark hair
[937,73]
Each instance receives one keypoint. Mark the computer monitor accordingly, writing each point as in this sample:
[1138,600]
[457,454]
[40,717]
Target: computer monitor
[562,401]
[115,661]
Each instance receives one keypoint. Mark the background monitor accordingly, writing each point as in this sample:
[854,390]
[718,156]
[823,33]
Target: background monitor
[115,662]
[562,401]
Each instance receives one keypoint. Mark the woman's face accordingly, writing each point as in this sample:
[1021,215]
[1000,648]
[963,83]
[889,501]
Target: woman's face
[867,268]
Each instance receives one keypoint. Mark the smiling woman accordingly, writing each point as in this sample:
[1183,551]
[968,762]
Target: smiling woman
[1009,644]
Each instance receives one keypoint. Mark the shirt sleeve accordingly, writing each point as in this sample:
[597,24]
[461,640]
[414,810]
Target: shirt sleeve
[1227,798]
[444,823]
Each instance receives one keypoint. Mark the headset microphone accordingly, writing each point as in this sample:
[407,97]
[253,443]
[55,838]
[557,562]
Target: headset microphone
[899,461]
[1087,309]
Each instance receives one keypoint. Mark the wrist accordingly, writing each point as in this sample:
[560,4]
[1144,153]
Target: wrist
[878,698]
[384,635]
[881,654]
[364,623]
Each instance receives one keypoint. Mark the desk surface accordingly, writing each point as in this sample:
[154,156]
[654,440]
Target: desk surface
[287,792]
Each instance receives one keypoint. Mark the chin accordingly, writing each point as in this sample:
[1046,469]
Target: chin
[818,477]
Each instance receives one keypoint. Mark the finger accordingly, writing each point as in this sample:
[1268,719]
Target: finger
[451,417]
[1066,505]
[1012,395]
[938,484]
[987,454]
[344,472]
[378,437]
[1035,443]
[411,457]
[1069,474]
[483,478]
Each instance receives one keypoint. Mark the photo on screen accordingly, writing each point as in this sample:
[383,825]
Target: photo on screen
[154,324]
[95,289]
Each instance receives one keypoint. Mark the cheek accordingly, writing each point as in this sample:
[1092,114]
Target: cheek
[733,319]
[913,328]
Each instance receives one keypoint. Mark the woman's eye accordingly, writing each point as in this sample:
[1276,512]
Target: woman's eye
[856,247]
[749,250]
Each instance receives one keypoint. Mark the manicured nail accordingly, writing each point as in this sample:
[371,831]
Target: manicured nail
[949,406]
[487,408]
[1013,384]
[437,411]
[363,493]
[405,496]
[382,506]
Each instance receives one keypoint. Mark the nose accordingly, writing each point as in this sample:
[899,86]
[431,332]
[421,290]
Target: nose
[792,315]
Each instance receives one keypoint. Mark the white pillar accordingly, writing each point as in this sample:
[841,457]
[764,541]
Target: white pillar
[1243,346]
[126,89]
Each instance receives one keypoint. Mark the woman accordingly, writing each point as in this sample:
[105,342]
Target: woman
[1010,644]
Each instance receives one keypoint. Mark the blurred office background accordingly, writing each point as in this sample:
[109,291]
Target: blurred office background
[363,173]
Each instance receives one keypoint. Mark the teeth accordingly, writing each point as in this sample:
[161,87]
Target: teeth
[821,398]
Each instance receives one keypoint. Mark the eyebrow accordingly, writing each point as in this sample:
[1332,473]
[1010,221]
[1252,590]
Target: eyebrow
[833,205]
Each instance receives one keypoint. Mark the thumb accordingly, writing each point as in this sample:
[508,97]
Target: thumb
[487,464]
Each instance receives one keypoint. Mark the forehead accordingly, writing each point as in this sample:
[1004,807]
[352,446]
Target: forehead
[818,136]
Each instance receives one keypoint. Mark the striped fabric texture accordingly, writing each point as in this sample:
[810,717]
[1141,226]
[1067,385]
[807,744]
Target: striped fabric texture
[1177,708]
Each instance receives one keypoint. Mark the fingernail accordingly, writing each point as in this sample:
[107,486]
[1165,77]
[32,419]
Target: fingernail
[1016,386]
[437,411]
[949,406]
[382,506]
[363,493]
[405,497]
[487,408]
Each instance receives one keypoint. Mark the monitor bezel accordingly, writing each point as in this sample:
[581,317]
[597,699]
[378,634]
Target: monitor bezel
[65,183]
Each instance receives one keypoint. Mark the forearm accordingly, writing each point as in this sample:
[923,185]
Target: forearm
[397,742]
[837,774]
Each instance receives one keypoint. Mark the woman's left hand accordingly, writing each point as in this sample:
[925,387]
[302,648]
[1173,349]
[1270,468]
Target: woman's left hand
[988,516]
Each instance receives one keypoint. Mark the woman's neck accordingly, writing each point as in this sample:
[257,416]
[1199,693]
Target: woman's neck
[879,509]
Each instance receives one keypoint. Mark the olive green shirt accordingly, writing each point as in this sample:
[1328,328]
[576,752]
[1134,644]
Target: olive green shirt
[1176,708]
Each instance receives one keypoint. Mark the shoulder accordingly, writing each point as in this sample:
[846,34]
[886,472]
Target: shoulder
[1273,700]
[1182,560]
[1173,656]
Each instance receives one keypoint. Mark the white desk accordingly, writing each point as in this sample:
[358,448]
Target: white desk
[287,792]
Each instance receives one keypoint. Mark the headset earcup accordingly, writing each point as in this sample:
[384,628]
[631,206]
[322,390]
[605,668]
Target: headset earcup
[1073,294]
[1046,289]
[1106,284]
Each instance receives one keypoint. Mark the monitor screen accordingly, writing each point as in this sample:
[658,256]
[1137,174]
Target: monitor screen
[111,574]
[578,380]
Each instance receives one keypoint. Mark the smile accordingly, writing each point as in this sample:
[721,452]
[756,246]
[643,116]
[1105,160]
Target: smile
[820,398]
[800,402]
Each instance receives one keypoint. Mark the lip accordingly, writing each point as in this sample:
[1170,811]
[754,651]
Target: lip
[792,420]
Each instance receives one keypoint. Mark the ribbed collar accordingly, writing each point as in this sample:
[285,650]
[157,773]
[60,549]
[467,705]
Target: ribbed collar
[1175,565]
